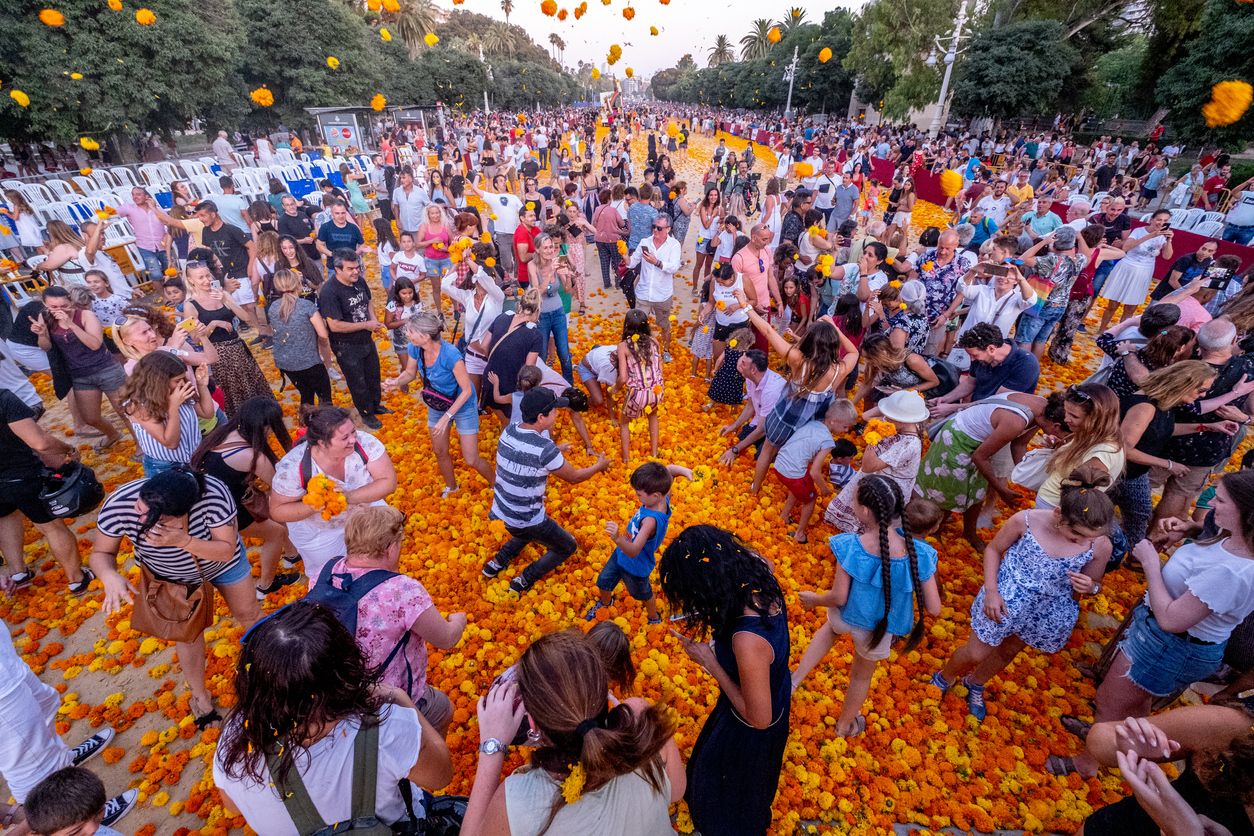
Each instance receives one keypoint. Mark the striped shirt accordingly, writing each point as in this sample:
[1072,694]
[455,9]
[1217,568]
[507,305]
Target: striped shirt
[189,438]
[524,460]
[216,508]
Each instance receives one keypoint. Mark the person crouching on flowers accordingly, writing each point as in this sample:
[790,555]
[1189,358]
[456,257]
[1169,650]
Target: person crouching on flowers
[1033,576]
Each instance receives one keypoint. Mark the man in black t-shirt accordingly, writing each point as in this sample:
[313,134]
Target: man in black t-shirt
[25,447]
[344,303]
[233,249]
[296,223]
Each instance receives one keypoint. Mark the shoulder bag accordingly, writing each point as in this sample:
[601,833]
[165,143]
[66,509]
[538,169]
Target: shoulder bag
[175,611]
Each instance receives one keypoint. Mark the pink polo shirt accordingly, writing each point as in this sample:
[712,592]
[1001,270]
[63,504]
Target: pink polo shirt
[149,231]
[754,270]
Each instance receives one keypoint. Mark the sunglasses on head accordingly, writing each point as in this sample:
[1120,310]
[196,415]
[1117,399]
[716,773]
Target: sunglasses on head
[1079,394]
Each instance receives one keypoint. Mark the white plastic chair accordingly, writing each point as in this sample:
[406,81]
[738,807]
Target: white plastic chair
[1191,217]
[284,156]
[37,194]
[11,185]
[194,168]
[1209,229]
[1213,216]
[1177,218]
[152,177]
[85,184]
[123,176]
[61,189]
[1096,200]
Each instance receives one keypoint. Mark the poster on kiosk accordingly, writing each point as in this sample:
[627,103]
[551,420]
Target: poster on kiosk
[341,132]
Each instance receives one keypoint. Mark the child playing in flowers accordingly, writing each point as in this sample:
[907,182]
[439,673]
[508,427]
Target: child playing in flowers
[701,341]
[635,553]
[882,575]
[1034,569]
[799,464]
[529,377]
[403,302]
[598,370]
[727,386]
[640,373]
[896,456]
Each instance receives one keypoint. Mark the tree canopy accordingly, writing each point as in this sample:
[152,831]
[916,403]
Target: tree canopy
[1016,69]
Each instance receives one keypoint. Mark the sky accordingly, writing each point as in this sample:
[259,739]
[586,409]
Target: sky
[683,26]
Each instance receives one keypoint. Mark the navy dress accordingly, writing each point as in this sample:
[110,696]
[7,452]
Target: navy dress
[733,773]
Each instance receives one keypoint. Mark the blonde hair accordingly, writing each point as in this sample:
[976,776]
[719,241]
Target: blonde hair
[1169,387]
[529,302]
[59,232]
[289,285]
[372,530]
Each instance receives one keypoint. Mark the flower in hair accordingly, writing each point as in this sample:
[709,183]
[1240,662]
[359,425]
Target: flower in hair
[572,786]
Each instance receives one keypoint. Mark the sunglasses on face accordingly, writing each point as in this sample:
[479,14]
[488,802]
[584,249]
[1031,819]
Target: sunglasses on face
[661,228]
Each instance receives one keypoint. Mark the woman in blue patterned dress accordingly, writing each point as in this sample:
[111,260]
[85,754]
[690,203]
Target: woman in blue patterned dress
[1033,576]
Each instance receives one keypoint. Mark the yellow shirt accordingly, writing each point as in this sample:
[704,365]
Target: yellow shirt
[1020,193]
[1108,454]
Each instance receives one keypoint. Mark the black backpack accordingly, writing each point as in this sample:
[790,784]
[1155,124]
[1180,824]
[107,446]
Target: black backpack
[341,593]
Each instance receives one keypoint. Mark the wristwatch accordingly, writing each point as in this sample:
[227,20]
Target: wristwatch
[492,746]
[1097,587]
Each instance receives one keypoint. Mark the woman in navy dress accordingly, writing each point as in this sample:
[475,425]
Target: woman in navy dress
[727,592]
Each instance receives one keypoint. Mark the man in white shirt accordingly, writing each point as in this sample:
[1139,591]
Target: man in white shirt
[825,193]
[811,183]
[1239,222]
[503,209]
[763,389]
[222,151]
[658,257]
[409,202]
[542,147]
[996,205]
[1078,215]
[999,302]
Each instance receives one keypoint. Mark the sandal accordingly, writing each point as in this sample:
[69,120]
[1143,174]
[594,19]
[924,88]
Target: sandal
[1075,725]
[105,444]
[859,726]
[207,718]
[1060,765]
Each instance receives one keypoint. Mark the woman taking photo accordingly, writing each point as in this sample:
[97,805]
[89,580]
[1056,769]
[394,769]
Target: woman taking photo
[448,393]
[309,706]
[182,529]
[143,331]
[730,594]
[299,331]
[1192,605]
[433,238]
[165,409]
[238,453]
[482,300]
[512,341]
[552,278]
[236,371]
[595,769]
[357,464]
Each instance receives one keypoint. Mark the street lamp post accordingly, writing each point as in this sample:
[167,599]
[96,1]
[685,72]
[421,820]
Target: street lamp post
[952,51]
[487,110]
[790,75]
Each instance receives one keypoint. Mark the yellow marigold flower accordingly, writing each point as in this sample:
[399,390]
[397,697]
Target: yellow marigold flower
[116,5]
[774,35]
[431,39]
[825,55]
[378,102]
[85,171]
[629,13]
[21,98]
[262,96]
[384,34]
[391,6]
[76,76]
[333,62]
[1229,100]
[549,7]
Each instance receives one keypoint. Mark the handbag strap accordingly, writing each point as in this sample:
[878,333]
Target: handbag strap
[299,805]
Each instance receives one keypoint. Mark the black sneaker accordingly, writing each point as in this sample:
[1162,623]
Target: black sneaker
[118,806]
[519,585]
[382,410]
[491,569]
[21,579]
[289,561]
[91,747]
[280,581]
[81,587]
[372,422]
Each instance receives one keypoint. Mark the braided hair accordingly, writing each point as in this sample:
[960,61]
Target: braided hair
[883,497]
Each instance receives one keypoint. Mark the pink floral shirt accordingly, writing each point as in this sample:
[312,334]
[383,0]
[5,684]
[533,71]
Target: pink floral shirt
[383,617]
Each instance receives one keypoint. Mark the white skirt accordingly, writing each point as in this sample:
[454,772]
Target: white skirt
[1128,283]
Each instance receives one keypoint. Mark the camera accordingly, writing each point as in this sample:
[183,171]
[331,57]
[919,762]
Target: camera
[755,176]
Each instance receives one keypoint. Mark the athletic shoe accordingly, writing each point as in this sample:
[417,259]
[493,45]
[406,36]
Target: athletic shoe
[118,806]
[975,700]
[289,561]
[91,747]
[939,682]
[491,569]
[280,581]
[519,585]
[81,587]
[21,579]
[372,422]
[591,614]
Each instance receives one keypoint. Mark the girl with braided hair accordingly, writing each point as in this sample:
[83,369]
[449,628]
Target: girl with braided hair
[1035,570]
[882,575]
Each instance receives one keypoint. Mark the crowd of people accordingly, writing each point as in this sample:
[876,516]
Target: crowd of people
[887,375]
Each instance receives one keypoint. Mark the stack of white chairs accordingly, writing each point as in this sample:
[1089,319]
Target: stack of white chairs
[1210,229]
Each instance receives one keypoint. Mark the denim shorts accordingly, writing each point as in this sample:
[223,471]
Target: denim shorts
[1164,663]
[613,572]
[108,379]
[465,419]
[241,571]
[1036,328]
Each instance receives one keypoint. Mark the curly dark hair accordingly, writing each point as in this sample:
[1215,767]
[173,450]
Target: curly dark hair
[299,672]
[713,576]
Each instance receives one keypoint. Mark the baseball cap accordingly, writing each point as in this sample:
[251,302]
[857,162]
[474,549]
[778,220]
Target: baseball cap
[540,401]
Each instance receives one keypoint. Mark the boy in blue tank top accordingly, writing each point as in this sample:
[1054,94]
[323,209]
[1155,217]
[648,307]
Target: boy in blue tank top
[635,553]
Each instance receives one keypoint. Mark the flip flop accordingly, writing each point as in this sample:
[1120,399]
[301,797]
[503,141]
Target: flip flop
[1060,765]
[1075,725]
[859,726]
[102,445]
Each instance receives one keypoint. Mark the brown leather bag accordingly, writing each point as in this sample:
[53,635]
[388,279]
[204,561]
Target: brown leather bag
[171,610]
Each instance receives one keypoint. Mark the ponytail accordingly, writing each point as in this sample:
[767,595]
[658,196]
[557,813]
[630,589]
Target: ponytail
[1082,500]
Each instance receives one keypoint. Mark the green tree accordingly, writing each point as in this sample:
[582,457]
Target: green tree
[721,52]
[1013,70]
[1220,52]
[416,19]
[135,78]
[891,40]
[507,6]
[758,42]
[795,17]
[1112,91]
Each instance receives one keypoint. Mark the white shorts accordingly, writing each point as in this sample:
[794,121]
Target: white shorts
[474,363]
[244,294]
[30,748]
[861,637]
[902,220]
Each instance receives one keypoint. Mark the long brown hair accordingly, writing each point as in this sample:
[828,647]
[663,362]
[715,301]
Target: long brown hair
[147,391]
[1240,488]
[881,356]
[564,686]
[1101,405]
[1171,386]
[1163,347]
[1081,498]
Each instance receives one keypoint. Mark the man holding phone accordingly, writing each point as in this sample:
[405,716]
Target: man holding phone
[658,257]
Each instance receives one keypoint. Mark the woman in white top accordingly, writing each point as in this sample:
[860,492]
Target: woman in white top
[26,222]
[1129,282]
[71,255]
[630,765]
[356,462]
[1192,605]
[306,702]
[1092,412]
[483,301]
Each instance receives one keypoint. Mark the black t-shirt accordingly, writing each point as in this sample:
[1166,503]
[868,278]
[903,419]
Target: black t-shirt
[1207,449]
[529,168]
[1105,175]
[230,245]
[21,332]
[346,303]
[299,227]
[1189,268]
[509,354]
[17,460]
[1127,815]
[1113,229]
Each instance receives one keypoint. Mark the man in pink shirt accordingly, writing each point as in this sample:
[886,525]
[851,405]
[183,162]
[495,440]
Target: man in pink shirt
[150,233]
[754,264]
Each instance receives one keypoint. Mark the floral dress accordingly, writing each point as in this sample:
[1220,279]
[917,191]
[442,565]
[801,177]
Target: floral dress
[701,342]
[902,452]
[644,384]
[1040,609]
[916,328]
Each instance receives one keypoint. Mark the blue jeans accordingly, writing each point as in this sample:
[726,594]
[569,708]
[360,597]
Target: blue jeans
[152,466]
[155,263]
[1239,234]
[385,275]
[1036,327]
[554,323]
[1100,275]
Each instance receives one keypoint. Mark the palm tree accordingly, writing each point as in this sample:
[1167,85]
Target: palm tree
[553,39]
[721,52]
[499,40]
[415,19]
[758,42]
[561,49]
[796,17]
[507,6]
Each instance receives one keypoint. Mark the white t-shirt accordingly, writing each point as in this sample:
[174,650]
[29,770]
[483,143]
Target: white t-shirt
[1220,579]
[604,363]
[1144,255]
[986,306]
[319,540]
[795,456]
[506,208]
[727,295]
[995,207]
[13,671]
[410,267]
[1242,212]
[327,775]
[385,251]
